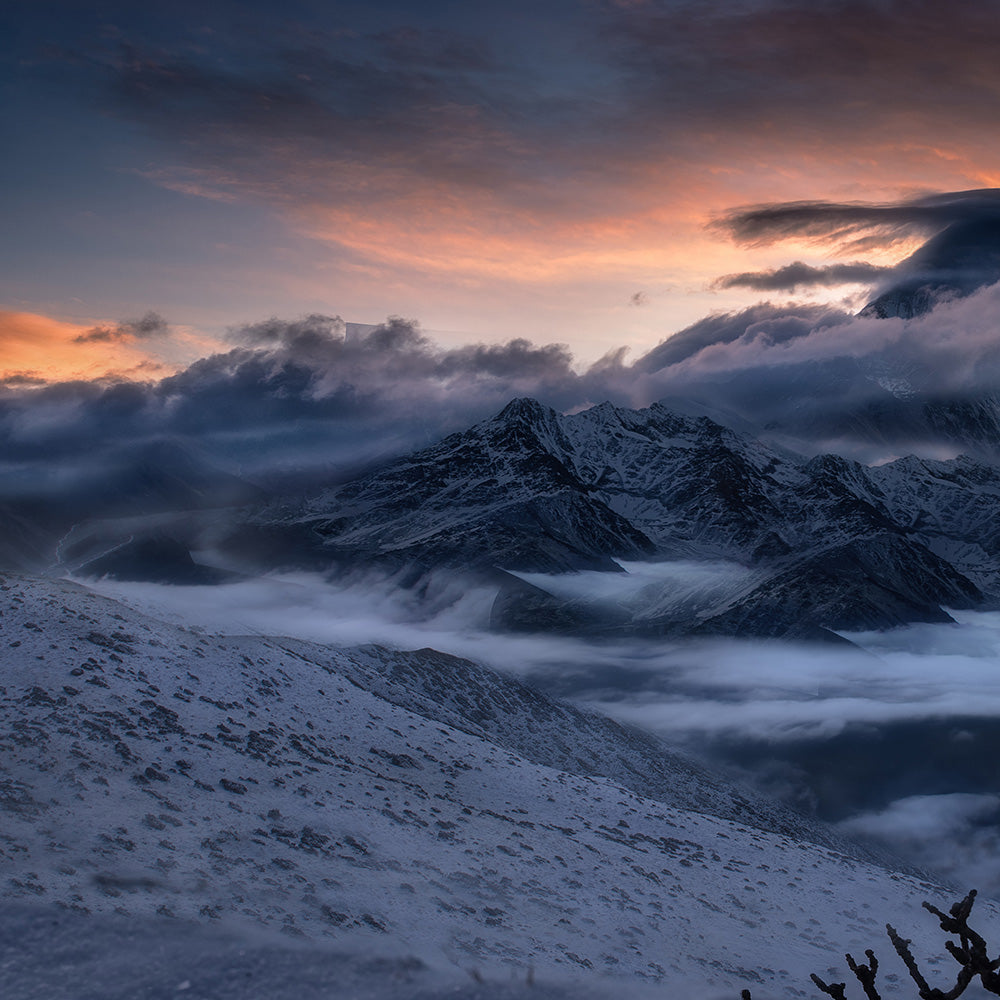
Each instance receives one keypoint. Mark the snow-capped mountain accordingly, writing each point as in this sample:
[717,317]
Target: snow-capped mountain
[956,262]
[830,544]
[408,803]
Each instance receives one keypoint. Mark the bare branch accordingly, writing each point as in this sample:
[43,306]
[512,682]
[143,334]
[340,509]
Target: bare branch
[972,953]
[835,990]
[865,974]
[927,992]
[902,946]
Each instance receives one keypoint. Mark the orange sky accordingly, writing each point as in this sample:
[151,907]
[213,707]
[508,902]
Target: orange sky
[36,348]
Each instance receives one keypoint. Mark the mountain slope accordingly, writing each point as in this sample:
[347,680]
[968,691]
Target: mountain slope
[502,493]
[354,799]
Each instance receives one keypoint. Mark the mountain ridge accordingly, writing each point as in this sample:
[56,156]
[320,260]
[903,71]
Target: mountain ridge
[531,490]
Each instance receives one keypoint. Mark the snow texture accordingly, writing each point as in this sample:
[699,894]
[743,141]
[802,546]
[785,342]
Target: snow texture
[190,814]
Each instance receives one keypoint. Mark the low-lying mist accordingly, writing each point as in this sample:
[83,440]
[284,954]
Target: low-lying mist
[895,738]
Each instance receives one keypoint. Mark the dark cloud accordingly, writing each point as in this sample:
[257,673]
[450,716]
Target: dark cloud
[639,299]
[796,67]
[398,350]
[839,222]
[16,379]
[427,120]
[801,275]
[863,386]
[961,256]
[284,117]
[149,325]
[311,331]
[316,392]
[761,323]
[291,395]
[251,106]
[304,393]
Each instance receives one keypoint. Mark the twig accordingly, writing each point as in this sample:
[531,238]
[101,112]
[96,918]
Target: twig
[835,990]
[865,974]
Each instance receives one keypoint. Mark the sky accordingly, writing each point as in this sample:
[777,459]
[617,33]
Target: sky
[564,171]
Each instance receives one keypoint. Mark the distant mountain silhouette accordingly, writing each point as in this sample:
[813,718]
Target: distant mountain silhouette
[958,261]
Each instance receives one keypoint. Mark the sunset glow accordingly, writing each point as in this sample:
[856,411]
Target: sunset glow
[376,160]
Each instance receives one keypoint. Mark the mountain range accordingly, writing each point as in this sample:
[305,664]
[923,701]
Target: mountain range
[792,546]
[815,545]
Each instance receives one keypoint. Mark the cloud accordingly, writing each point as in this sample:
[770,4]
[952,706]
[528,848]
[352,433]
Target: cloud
[777,692]
[309,393]
[38,349]
[311,331]
[846,732]
[831,221]
[781,692]
[801,275]
[920,816]
[962,255]
[815,72]
[149,325]
[316,393]
[761,323]
[409,146]
[303,102]
[956,835]
[951,347]
[819,379]
[287,396]
[21,379]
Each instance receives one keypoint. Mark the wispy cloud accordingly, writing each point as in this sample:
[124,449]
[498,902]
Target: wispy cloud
[788,68]
[149,325]
[857,224]
[38,350]
[423,148]
[956,834]
[801,275]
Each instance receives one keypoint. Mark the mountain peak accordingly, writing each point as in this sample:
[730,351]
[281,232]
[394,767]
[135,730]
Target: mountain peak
[525,408]
[956,262]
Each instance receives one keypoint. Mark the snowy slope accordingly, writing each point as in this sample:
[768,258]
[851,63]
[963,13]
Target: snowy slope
[351,800]
[952,507]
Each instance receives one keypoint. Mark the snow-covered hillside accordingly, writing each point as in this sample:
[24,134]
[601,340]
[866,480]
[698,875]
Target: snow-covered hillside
[350,802]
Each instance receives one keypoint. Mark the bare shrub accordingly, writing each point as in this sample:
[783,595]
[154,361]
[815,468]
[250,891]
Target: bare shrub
[970,951]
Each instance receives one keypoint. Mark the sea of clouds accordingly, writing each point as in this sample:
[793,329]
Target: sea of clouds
[891,738]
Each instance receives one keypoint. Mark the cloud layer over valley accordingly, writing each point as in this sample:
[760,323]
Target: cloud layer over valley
[833,731]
